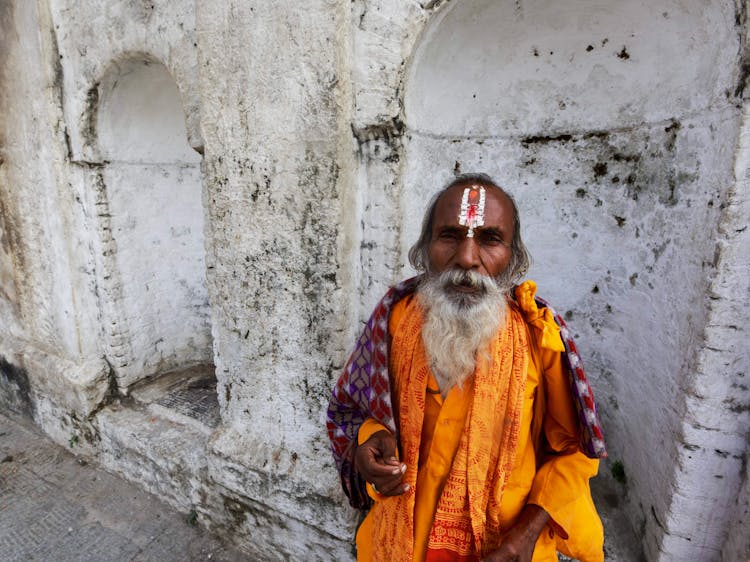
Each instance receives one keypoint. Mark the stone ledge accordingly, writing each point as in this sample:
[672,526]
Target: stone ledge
[236,463]
[165,457]
[77,387]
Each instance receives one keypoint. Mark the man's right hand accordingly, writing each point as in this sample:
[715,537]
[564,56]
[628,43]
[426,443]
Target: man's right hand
[376,461]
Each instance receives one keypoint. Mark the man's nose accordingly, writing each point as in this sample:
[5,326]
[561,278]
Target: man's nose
[467,254]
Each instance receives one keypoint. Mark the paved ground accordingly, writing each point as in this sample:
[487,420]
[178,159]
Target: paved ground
[56,507]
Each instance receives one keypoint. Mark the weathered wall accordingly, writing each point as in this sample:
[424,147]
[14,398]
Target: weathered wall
[50,334]
[151,185]
[323,132]
[129,77]
[738,541]
[710,483]
[9,257]
[29,226]
[93,35]
[274,85]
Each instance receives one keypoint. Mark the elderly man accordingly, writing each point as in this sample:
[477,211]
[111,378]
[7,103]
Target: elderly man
[463,419]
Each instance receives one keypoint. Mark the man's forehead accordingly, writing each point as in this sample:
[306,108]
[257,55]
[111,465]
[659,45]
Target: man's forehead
[456,199]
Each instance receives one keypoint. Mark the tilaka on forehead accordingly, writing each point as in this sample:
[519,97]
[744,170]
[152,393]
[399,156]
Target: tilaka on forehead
[472,209]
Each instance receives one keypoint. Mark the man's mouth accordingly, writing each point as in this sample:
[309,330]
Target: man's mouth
[465,287]
[464,284]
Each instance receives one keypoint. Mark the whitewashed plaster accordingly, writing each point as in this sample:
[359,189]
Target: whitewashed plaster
[738,541]
[91,35]
[530,66]
[384,33]
[155,269]
[277,169]
[140,117]
[711,489]
[30,224]
[8,290]
[49,340]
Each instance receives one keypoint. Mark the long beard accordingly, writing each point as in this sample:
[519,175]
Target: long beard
[458,326]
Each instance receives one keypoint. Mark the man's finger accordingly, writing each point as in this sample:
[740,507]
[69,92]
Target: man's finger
[385,444]
[381,470]
[389,488]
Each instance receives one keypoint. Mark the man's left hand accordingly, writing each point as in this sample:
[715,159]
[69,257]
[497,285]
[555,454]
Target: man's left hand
[376,461]
[518,542]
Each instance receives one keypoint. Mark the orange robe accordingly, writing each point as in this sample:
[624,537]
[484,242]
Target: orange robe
[555,478]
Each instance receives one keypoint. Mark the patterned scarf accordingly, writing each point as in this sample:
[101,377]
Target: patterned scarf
[364,391]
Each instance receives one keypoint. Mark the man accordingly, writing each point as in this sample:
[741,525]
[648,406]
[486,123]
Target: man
[461,413]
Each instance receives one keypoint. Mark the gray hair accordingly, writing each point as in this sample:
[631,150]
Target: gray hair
[520,260]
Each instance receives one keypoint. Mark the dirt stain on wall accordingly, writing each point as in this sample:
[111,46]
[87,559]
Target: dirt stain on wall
[15,390]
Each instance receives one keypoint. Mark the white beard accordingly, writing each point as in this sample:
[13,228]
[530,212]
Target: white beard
[459,327]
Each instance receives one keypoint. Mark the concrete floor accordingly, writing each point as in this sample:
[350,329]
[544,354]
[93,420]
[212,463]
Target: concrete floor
[54,506]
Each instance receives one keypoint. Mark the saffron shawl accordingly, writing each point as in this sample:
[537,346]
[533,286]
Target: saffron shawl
[465,523]
[364,391]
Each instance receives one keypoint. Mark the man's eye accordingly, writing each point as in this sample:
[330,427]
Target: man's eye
[448,235]
[491,239]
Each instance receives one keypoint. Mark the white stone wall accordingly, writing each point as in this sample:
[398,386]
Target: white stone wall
[738,541]
[93,35]
[711,492]
[278,151]
[9,302]
[50,338]
[152,190]
[238,182]
[128,81]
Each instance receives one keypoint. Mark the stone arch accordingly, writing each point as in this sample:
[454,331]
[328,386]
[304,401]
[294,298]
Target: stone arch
[148,194]
[605,120]
[140,115]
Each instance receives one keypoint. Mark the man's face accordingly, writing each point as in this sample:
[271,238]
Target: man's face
[488,252]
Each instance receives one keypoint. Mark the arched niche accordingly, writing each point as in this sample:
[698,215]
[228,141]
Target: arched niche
[609,122]
[140,115]
[490,68]
[513,88]
[151,222]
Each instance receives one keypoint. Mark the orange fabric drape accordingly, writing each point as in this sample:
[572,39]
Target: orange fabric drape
[485,452]
[554,477]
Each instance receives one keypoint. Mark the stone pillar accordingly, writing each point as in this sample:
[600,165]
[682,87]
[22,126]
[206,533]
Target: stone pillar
[710,500]
[49,340]
[278,149]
